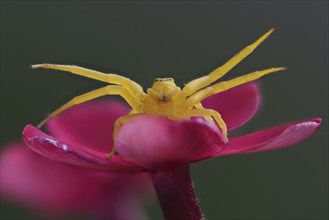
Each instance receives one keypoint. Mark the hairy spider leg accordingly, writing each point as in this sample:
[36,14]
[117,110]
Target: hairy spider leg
[107,90]
[204,81]
[118,123]
[208,118]
[222,86]
[134,88]
[210,113]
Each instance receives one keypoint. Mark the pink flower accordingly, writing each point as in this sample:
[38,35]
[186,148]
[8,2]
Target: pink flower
[56,189]
[162,147]
[149,142]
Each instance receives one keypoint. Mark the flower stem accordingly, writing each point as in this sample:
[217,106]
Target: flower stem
[176,194]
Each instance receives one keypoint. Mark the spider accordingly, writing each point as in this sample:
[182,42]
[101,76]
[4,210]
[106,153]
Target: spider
[164,98]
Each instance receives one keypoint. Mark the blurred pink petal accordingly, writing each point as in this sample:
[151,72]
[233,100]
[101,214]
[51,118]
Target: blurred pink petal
[88,125]
[52,187]
[272,138]
[58,150]
[152,141]
[236,105]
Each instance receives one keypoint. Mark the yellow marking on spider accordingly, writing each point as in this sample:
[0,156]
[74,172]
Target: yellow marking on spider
[164,98]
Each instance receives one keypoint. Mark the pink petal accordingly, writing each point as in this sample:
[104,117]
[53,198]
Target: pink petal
[88,125]
[152,141]
[60,151]
[53,187]
[236,105]
[272,138]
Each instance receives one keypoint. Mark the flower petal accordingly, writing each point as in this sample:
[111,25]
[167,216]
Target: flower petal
[58,150]
[88,125]
[53,187]
[152,141]
[272,138]
[236,105]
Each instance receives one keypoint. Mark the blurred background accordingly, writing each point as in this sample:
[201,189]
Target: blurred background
[184,40]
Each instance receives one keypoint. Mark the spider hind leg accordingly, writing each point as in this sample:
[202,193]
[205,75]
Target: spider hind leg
[208,118]
[117,125]
[213,114]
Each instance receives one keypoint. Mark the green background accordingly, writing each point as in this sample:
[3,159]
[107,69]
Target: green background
[184,40]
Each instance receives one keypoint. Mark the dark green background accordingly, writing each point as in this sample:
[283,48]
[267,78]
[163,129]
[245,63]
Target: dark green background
[184,40]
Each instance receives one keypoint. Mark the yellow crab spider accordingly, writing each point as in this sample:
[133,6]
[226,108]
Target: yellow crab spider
[164,98]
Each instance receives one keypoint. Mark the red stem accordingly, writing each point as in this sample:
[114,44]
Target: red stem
[176,194]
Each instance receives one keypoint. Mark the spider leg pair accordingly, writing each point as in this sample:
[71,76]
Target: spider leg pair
[129,90]
[202,82]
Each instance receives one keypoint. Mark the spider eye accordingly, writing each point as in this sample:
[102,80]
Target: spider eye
[163,79]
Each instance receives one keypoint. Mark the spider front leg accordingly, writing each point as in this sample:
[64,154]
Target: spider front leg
[210,113]
[108,90]
[118,123]
[111,78]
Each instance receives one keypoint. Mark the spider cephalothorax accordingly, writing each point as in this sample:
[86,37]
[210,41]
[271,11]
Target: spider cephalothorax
[163,89]
[164,98]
